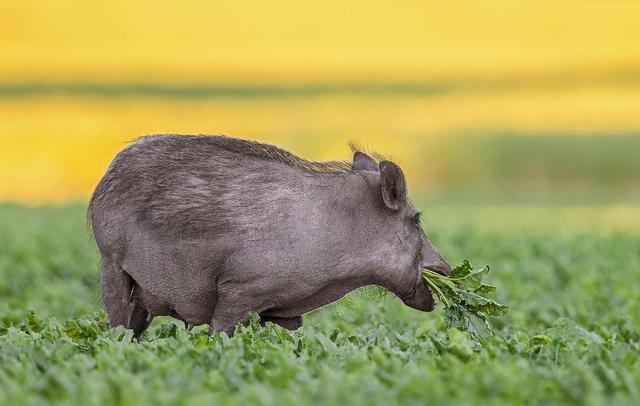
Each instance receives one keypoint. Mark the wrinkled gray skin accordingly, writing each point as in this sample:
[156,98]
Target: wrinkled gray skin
[209,228]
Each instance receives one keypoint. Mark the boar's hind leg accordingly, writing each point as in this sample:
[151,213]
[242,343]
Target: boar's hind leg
[116,288]
[120,299]
[290,323]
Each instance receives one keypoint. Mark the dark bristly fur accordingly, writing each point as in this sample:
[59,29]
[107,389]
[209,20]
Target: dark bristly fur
[209,228]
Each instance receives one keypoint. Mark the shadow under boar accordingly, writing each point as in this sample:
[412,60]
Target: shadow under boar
[209,228]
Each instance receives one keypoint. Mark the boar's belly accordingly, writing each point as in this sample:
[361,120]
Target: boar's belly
[297,306]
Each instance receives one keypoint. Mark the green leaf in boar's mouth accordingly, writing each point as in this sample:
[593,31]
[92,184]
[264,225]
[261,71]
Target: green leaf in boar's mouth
[462,294]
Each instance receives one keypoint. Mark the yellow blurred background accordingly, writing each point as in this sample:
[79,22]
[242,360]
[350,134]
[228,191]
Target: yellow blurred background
[482,96]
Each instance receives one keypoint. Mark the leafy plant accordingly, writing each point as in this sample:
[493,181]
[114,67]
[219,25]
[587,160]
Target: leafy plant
[463,295]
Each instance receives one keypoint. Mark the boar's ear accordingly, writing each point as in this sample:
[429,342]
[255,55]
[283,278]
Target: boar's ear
[363,162]
[394,187]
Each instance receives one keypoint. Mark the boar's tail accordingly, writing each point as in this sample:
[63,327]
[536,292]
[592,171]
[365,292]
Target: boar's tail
[94,196]
[98,193]
[89,214]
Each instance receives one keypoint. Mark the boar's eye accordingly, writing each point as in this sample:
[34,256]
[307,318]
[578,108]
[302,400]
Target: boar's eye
[416,218]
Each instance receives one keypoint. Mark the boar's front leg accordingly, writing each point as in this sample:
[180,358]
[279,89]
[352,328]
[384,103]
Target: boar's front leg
[227,314]
[226,326]
[290,323]
[229,325]
[226,317]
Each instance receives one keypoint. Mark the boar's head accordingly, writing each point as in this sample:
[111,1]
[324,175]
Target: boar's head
[400,246]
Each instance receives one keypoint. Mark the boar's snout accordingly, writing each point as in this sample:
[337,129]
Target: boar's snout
[420,297]
[432,260]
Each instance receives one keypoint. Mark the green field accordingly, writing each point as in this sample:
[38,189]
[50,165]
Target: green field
[570,275]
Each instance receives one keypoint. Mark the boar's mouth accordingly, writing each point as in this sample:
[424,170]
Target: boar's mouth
[439,266]
[438,270]
[419,297]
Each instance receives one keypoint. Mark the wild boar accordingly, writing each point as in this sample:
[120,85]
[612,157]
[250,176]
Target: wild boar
[210,228]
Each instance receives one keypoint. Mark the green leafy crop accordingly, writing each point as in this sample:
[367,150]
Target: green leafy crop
[572,339]
[463,294]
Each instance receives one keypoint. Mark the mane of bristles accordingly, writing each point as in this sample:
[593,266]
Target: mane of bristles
[272,153]
[259,150]
[357,147]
